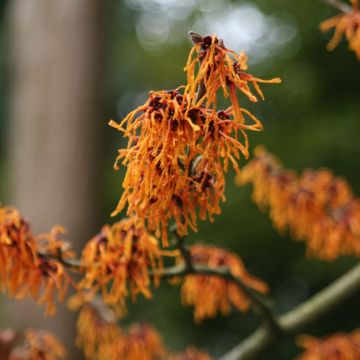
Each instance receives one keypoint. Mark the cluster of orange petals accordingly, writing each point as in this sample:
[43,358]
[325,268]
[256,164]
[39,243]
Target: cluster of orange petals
[117,262]
[348,24]
[179,149]
[29,265]
[37,345]
[211,294]
[191,353]
[317,207]
[335,347]
[221,68]
[102,338]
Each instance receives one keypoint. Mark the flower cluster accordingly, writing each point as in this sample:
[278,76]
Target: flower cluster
[37,345]
[32,265]
[101,337]
[316,206]
[220,68]
[97,328]
[335,347]
[348,24]
[191,353]
[118,261]
[179,148]
[142,342]
[211,294]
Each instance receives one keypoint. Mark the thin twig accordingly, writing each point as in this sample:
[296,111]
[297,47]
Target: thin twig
[71,264]
[340,5]
[184,251]
[295,320]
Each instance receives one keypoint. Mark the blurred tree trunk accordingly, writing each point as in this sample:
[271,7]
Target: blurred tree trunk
[55,114]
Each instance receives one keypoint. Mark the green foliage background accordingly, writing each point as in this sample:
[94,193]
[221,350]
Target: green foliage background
[311,120]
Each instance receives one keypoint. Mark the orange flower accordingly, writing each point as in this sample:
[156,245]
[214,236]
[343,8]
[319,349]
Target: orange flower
[210,294]
[191,353]
[39,345]
[142,342]
[348,24]
[177,161]
[101,338]
[117,261]
[317,207]
[97,328]
[222,68]
[162,143]
[29,265]
[335,347]
[179,150]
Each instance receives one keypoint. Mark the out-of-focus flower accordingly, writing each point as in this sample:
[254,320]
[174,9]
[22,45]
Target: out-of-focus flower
[100,337]
[210,294]
[220,68]
[30,265]
[347,24]
[118,261]
[179,148]
[39,345]
[190,353]
[142,342]
[335,347]
[97,329]
[317,207]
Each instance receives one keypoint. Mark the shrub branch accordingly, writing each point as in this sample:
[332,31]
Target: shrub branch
[293,322]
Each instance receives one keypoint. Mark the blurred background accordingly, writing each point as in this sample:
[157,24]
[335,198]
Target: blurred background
[69,66]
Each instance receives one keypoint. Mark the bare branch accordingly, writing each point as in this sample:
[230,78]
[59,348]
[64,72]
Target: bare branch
[323,302]
[340,5]
[295,320]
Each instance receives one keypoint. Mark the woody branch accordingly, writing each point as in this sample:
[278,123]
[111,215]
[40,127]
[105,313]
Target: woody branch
[293,322]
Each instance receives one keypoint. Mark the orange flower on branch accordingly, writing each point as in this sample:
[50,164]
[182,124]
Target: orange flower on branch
[162,143]
[176,159]
[347,24]
[97,329]
[179,147]
[335,347]
[142,342]
[220,68]
[190,354]
[118,261]
[317,207]
[100,337]
[210,294]
[29,265]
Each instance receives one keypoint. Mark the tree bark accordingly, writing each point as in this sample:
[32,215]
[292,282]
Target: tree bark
[55,122]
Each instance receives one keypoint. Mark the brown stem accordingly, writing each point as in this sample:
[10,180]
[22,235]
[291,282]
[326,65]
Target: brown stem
[184,251]
[71,264]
